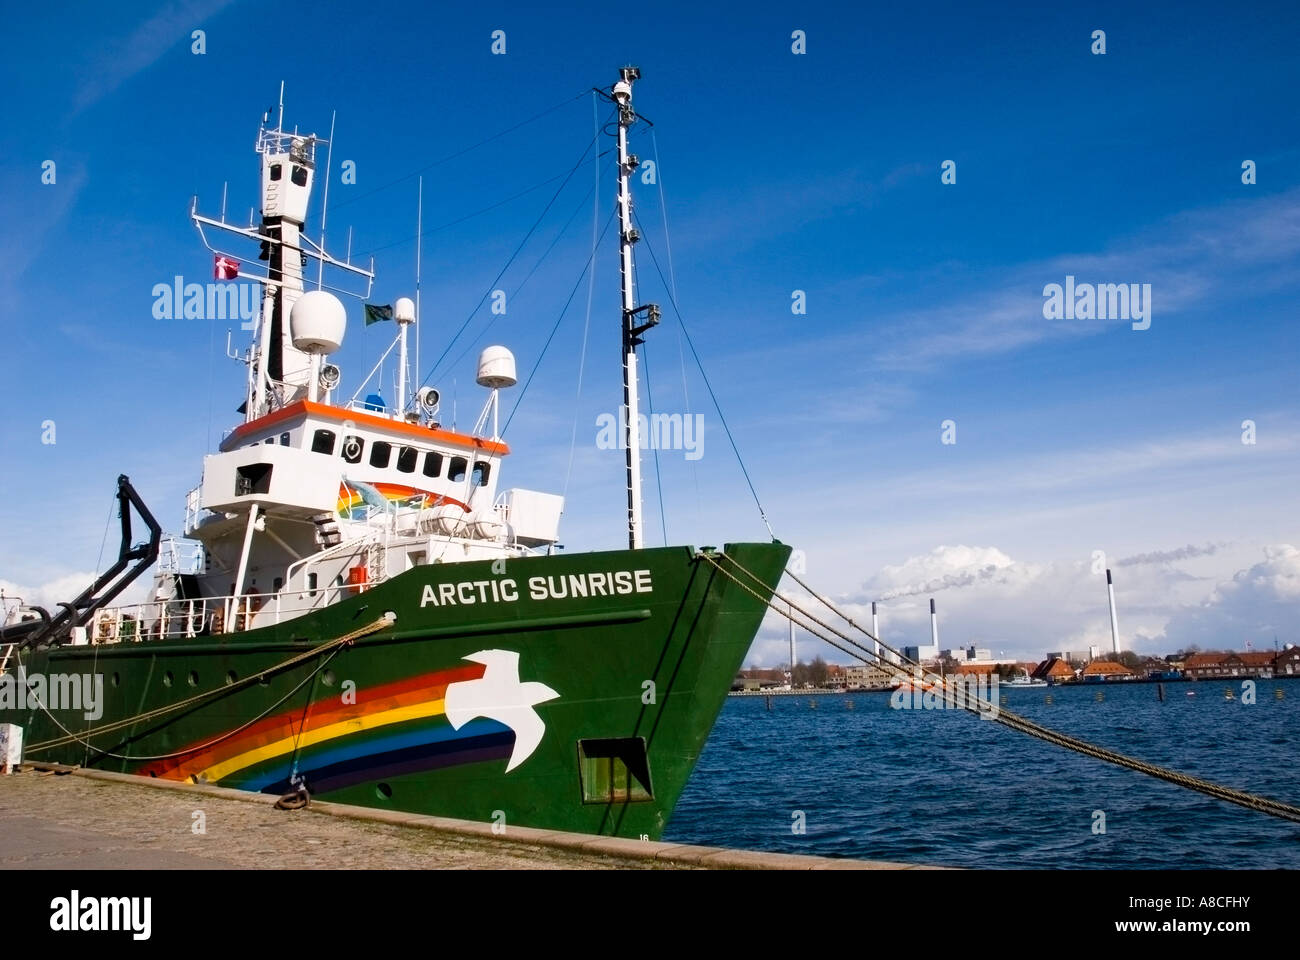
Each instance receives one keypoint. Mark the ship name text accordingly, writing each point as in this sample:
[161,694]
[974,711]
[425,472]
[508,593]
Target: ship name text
[508,590]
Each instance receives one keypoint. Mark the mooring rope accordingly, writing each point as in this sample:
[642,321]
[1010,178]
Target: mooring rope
[987,709]
[334,646]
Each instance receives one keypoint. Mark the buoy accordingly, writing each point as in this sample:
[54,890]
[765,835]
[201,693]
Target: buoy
[1227,694]
[1277,693]
[1099,696]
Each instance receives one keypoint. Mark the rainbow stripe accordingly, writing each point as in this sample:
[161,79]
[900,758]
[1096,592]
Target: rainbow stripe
[391,729]
[352,506]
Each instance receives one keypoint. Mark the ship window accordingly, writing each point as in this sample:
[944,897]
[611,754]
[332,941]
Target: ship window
[275,171]
[299,175]
[284,439]
[407,457]
[380,453]
[457,471]
[432,464]
[352,447]
[323,442]
[482,469]
[253,478]
[311,584]
[614,770]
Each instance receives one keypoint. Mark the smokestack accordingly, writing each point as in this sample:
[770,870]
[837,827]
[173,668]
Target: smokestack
[875,631]
[1114,623]
[934,627]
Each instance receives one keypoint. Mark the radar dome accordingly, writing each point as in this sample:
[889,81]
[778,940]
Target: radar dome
[317,322]
[404,310]
[496,368]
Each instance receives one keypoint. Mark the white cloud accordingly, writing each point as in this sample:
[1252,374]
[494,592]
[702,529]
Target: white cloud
[1166,601]
[1255,605]
[49,595]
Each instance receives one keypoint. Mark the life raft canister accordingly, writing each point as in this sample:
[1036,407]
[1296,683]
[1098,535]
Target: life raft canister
[357,578]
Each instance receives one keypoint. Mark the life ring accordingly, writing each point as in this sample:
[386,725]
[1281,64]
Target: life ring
[352,449]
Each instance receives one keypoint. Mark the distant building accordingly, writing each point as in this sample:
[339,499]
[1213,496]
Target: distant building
[1287,663]
[921,654]
[1257,663]
[1054,668]
[751,684]
[1153,668]
[1213,666]
[1099,671]
[867,676]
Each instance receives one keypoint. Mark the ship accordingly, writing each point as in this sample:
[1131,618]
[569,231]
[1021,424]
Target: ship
[357,610]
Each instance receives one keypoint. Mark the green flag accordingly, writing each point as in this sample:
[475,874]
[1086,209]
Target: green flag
[375,313]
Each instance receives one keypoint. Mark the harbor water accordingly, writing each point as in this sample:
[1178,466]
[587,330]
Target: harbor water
[944,787]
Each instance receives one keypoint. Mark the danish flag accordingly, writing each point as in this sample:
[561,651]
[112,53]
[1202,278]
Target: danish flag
[225,268]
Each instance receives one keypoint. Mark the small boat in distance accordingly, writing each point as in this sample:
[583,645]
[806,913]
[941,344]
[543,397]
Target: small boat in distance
[1023,681]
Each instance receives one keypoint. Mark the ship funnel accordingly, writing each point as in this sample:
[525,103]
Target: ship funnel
[317,322]
[496,368]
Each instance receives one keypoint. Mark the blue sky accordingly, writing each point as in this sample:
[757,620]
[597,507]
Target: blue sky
[817,172]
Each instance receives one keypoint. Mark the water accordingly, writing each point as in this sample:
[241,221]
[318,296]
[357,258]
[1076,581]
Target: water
[944,787]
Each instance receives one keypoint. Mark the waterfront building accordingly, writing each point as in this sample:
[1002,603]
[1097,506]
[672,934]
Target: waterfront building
[1101,671]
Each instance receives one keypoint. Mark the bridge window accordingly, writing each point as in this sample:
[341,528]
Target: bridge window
[380,453]
[299,175]
[284,439]
[407,457]
[458,467]
[352,448]
[482,469]
[432,464]
[323,442]
[275,171]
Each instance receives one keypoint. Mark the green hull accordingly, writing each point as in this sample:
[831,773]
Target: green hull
[634,675]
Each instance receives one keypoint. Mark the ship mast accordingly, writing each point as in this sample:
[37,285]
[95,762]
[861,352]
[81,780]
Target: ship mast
[633,323]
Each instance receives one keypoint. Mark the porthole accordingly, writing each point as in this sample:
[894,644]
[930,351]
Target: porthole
[168,679]
[193,678]
[231,677]
[383,791]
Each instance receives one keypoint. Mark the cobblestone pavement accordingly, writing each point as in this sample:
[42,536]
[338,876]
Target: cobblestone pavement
[73,822]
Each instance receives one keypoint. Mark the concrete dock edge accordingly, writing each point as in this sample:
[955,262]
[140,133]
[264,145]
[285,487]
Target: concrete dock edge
[716,858]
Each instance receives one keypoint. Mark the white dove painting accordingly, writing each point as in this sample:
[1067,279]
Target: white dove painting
[499,695]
